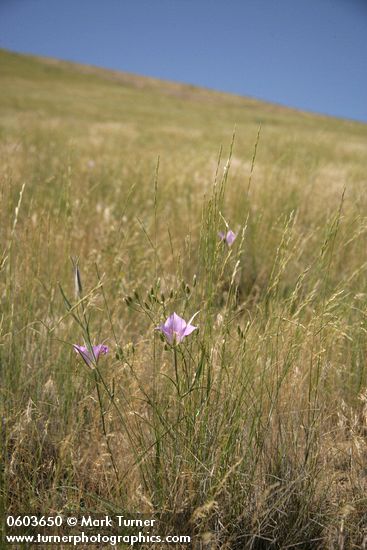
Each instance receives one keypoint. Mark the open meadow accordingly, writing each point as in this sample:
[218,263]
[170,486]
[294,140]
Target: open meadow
[249,432]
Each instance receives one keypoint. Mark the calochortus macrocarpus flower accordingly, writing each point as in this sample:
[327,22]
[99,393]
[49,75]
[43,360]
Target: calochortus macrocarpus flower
[229,237]
[89,357]
[175,329]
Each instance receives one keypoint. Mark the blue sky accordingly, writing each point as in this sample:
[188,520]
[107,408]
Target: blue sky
[309,54]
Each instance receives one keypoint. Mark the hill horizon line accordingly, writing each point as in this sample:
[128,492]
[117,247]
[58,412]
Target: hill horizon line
[170,87]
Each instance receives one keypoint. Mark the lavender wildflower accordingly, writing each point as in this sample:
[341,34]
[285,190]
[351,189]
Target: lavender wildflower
[229,237]
[175,329]
[91,358]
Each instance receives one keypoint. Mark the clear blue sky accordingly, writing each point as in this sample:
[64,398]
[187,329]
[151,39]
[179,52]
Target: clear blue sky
[310,54]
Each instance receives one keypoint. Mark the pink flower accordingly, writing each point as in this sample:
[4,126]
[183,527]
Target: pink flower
[229,237]
[176,329]
[91,358]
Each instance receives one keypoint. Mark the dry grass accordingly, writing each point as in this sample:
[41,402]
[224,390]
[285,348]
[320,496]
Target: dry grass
[268,448]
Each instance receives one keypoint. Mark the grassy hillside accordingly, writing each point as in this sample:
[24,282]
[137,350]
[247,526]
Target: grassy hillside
[251,432]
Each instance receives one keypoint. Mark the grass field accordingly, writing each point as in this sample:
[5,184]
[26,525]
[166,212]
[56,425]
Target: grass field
[251,432]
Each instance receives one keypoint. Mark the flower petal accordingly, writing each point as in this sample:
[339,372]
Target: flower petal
[169,334]
[84,354]
[189,329]
[100,350]
[178,324]
[230,237]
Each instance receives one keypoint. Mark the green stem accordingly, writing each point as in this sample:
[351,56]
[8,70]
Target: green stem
[176,370]
[104,427]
